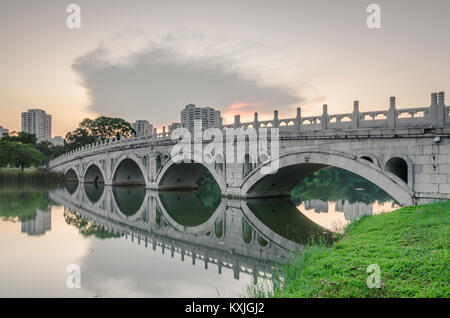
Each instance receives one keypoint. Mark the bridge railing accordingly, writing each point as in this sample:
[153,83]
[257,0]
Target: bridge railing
[436,115]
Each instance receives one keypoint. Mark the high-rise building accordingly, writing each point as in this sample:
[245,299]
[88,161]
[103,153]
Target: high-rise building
[174,126]
[3,131]
[142,128]
[58,141]
[209,117]
[37,122]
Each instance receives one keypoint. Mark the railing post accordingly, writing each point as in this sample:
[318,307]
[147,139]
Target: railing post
[440,110]
[255,122]
[355,115]
[392,114]
[324,121]
[237,121]
[298,119]
[275,119]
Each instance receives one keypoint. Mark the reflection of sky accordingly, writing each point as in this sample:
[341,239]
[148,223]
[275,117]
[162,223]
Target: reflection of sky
[335,219]
[36,267]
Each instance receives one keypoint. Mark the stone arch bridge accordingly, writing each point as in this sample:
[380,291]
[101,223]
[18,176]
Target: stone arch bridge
[405,151]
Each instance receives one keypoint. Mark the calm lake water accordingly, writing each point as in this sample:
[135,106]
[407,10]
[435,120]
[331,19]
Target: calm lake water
[131,242]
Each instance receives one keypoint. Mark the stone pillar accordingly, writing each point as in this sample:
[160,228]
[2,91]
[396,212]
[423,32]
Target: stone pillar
[440,110]
[433,110]
[237,121]
[164,131]
[355,115]
[324,117]
[275,119]
[155,132]
[298,119]
[392,114]
[255,121]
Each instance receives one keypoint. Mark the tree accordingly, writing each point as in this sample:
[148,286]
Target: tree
[19,154]
[107,127]
[22,137]
[101,128]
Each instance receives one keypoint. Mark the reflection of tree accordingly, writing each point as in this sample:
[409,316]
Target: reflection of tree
[87,228]
[208,191]
[22,204]
[334,184]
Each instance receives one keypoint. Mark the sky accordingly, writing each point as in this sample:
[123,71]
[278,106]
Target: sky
[147,59]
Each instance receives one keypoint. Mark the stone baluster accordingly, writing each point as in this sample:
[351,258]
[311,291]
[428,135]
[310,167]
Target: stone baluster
[324,121]
[392,113]
[237,121]
[255,122]
[298,119]
[440,109]
[355,115]
[275,122]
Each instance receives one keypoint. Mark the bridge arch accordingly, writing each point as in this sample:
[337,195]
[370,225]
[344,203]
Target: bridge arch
[298,165]
[174,175]
[94,174]
[71,175]
[129,170]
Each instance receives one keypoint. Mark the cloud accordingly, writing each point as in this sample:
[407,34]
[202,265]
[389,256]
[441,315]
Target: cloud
[158,81]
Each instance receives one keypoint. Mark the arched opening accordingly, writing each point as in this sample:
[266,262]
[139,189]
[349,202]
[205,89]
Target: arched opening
[184,176]
[93,175]
[281,183]
[247,231]
[219,228]
[158,162]
[367,158]
[219,163]
[128,173]
[399,167]
[71,176]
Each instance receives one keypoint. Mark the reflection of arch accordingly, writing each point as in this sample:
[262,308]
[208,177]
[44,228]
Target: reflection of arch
[71,175]
[71,186]
[295,166]
[129,171]
[93,174]
[93,191]
[266,233]
[196,229]
[129,201]
[401,166]
[185,175]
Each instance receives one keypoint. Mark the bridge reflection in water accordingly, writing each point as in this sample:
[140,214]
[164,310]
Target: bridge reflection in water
[244,236]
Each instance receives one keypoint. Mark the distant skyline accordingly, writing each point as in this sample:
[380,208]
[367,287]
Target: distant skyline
[148,59]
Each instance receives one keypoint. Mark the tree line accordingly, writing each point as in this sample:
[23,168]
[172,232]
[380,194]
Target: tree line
[21,149]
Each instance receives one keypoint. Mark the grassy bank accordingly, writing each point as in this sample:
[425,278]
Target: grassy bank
[410,246]
[29,177]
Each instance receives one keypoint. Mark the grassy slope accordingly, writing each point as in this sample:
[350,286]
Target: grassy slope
[409,245]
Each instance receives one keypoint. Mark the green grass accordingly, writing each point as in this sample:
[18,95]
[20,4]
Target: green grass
[410,246]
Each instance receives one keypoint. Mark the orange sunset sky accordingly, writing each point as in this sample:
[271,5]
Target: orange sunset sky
[147,59]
